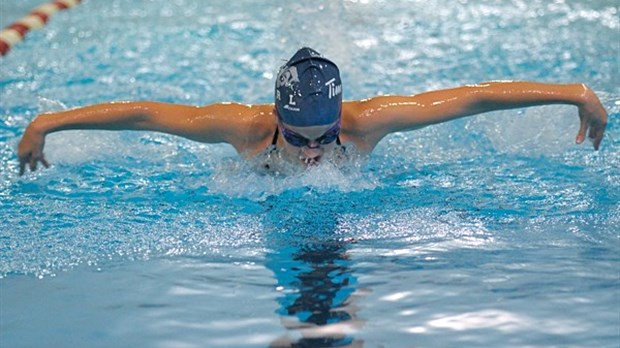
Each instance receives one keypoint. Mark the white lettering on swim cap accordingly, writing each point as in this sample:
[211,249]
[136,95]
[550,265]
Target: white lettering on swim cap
[290,100]
[288,107]
[334,89]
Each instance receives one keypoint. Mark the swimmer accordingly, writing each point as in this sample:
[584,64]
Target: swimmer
[308,120]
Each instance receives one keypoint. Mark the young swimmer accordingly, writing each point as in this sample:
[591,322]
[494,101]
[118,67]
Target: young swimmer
[309,120]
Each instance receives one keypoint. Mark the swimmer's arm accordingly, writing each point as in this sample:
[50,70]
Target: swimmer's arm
[206,124]
[398,113]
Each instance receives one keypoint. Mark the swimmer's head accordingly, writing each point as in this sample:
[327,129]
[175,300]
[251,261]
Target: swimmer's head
[308,90]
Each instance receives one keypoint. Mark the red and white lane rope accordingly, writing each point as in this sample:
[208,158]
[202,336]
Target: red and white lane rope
[36,19]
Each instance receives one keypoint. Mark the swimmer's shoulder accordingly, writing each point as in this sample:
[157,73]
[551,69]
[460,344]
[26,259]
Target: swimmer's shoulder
[358,124]
[252,125]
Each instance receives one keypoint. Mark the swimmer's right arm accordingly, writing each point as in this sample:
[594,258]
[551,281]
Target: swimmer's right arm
[204,124]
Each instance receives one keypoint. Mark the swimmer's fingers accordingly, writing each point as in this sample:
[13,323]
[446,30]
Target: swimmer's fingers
[596,135]
[596,126]
[35,159]
[593,120]
[22,165]
[583,129]
[25,157]
[30,152]
[32,164]
[31,160]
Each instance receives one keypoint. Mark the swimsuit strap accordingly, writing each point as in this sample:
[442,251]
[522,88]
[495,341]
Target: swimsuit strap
[275,137]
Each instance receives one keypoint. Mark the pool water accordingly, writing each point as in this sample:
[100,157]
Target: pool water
[492,231]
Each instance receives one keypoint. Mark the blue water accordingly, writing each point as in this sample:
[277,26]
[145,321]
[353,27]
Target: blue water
[492,231]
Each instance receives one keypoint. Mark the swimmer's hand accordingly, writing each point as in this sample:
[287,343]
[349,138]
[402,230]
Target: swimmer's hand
[593,119]
[30,149]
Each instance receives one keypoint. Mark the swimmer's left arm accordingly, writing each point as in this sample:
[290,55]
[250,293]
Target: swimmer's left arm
[387,114]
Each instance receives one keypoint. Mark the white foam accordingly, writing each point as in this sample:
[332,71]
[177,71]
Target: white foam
[236,178]
[537,131]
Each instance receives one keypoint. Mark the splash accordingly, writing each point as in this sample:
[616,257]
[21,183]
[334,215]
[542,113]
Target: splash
[238,178]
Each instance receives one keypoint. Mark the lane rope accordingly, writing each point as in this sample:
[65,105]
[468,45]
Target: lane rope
[36,19]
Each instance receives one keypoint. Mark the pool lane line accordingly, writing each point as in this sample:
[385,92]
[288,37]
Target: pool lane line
[36,19]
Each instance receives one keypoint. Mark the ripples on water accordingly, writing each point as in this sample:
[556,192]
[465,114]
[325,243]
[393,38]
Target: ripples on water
[491,231]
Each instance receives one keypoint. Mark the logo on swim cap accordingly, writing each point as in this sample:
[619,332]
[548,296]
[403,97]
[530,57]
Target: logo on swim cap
[308,90]
[287,77]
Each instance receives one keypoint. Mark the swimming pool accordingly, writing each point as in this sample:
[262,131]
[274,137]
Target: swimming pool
[490,231]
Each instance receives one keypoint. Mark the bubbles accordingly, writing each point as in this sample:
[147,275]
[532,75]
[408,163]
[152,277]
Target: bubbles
[49,105]
[535,132]
[236,178]
[420,231]
[95,231]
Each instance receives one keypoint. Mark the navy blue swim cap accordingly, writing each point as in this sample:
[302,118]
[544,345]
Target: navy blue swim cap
[308,90]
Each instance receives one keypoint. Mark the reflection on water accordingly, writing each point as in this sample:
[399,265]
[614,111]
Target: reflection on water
[316,284]
[315,279]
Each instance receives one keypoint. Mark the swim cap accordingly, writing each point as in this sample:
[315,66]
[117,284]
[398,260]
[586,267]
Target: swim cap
[308,90]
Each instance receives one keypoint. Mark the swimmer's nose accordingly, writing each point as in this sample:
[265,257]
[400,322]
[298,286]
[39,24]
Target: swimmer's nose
[313,150]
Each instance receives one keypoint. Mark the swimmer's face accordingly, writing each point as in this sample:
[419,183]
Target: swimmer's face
[309,144]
